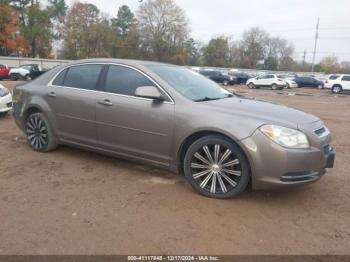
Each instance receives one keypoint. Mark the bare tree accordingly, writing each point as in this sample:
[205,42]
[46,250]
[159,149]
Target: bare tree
[254,44]
[163,28]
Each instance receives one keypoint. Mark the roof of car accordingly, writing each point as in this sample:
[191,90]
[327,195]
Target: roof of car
[121,61]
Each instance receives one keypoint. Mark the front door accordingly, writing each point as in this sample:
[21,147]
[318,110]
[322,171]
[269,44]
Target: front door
[133,126]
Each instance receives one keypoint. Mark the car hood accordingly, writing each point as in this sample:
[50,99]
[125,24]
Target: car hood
[263,112]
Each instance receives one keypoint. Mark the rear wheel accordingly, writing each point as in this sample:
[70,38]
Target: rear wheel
[39,133]
[215,167]
[337,89]
[320,86]
[225,83]
[274,87]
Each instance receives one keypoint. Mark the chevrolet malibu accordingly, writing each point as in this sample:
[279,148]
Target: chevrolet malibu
[173,118]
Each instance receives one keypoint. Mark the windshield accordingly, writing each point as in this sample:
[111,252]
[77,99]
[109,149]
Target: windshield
[190,84]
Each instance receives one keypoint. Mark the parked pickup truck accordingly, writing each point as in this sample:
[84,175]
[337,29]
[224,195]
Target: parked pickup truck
[26,72]
[4,71]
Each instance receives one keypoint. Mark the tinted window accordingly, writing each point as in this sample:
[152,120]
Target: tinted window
[60,78]
[333,77]
[346,78]
[124,81]
[84,76]
[270,76]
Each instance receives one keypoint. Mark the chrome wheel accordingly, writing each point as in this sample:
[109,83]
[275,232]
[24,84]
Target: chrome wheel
[215,169]
[37,133]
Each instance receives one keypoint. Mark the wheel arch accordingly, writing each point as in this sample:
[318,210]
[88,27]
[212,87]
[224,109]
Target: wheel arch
[202,133]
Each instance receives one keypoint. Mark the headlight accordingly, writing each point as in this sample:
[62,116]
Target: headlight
[4,91]
[286,137]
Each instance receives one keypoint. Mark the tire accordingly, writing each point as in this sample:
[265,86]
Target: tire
[39,133]
[274,87]
[320,86]
[225,83]
[337,89]
[224,173]
[251,85]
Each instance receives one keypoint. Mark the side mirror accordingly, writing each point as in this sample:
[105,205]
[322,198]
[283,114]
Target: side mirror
[150,92]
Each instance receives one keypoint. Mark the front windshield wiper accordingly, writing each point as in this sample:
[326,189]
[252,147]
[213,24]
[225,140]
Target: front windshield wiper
[206,99]
[212,98]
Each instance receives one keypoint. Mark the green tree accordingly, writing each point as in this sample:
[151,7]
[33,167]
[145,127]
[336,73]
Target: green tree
[37,23]
[125,19]
[217,52]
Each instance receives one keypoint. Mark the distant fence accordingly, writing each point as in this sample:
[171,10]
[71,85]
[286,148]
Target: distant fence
[11,61]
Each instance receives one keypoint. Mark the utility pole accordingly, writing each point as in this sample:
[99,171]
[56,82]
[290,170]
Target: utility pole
[304,58]
[315,47]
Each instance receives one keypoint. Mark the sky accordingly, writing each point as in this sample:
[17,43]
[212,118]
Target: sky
[294,20]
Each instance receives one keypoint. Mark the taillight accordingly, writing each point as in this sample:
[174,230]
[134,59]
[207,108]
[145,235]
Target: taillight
[279,79]
[326,81]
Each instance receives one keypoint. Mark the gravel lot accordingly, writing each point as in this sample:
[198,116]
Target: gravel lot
[77,202]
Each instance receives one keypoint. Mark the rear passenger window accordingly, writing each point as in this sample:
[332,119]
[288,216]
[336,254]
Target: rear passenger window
[60,78]
[83,76]
[346,78]
[123,80]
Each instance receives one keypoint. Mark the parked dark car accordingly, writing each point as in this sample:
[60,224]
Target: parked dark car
[241,77]
[308,81]
[219,77]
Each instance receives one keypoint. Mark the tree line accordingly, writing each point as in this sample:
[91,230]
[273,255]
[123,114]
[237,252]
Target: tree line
[158,30]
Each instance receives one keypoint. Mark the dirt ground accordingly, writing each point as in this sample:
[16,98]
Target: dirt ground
[77,202]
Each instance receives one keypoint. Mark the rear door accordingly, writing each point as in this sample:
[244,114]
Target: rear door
[72,97]
[345,82]
[270,79]
[133,126]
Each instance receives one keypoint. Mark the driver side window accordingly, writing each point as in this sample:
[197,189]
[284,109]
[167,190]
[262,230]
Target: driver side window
[124,81]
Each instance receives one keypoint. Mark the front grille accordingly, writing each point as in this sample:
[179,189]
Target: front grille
[320,131]
[327,149]
[9,104]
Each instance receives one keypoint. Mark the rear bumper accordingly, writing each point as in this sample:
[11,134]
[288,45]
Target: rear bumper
[5,103]
[273,166]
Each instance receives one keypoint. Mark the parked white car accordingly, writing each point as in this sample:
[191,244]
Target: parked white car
[290,81]
[268,80]
[329,80]
[5,100]
[339,84]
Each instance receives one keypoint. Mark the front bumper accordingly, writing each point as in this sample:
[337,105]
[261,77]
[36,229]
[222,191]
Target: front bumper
[273,166]
[5,103]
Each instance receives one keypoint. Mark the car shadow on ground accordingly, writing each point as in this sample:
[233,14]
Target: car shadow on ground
[153,173]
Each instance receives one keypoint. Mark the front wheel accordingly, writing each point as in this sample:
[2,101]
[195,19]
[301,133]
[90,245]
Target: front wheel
[274,87]
[39,133]
[225,83]
[215,167]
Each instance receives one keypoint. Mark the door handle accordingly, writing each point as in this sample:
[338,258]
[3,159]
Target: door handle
[105,102]
[52,94]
